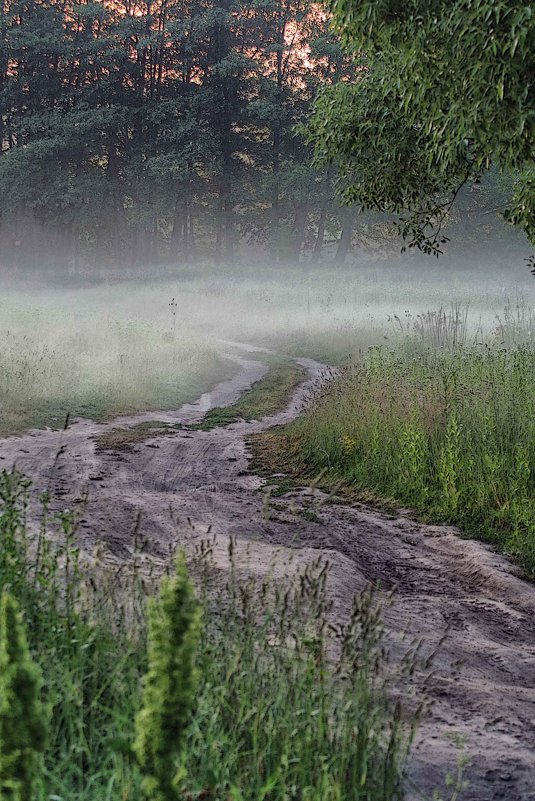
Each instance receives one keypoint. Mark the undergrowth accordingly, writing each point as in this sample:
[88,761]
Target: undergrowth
[283,706]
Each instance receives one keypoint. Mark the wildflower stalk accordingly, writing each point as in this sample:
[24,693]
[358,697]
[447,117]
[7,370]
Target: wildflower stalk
[23,716]
[170,683]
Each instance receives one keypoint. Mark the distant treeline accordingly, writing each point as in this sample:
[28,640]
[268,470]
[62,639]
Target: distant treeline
[172,131]
[164,131]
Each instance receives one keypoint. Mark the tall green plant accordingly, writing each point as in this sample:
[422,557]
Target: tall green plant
[169,693]
[13,544]
[23,716]
[448,467]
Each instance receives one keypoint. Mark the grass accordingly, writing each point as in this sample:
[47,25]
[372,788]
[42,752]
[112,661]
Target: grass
[99,371]
[266,397]
[446,431]
[287,707]
[103,350]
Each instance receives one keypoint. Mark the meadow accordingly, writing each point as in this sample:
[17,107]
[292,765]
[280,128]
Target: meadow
[65,354]
[153,343]
[434,410]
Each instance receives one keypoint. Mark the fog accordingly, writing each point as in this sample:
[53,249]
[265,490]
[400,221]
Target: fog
[119,342]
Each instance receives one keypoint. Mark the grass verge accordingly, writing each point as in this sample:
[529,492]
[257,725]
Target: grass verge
[449,433]
[273,718]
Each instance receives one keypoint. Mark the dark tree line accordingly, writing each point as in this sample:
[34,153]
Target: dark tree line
[164,131]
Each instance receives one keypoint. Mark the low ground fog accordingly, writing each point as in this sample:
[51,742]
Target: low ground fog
[154,342]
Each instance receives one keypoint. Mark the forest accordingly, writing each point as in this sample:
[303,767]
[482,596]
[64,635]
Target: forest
[172,132]
[156,131]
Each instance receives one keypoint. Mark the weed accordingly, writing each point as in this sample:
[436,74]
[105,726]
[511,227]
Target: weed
[310,515]
[170,684]
[267,396]
[124,439]
[23,717]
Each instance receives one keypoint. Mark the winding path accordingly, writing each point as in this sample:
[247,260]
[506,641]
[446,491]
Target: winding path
[186,481]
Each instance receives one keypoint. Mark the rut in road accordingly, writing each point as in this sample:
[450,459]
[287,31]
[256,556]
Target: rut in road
[184,481]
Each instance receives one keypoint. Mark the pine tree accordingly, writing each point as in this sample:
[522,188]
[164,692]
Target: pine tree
[168,698]
[23,716]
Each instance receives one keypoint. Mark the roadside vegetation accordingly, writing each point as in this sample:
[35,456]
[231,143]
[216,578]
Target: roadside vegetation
[134,346]
[239,691]
[267,396]
[440,422]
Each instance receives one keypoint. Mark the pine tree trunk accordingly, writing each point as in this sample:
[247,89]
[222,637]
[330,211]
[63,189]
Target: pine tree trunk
[320,236]
[344,245]
[219,231]
[298,232]
[176,234]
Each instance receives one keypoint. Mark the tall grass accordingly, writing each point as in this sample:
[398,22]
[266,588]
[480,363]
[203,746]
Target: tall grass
[99,367]
[287,706]
[448,430]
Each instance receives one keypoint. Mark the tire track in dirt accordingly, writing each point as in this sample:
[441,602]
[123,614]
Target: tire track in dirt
[184,481]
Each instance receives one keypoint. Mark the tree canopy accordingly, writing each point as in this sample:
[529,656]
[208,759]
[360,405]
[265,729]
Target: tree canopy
[143,131]
[444,91]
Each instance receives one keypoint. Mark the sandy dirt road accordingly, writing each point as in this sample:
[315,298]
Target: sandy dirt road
[184,481]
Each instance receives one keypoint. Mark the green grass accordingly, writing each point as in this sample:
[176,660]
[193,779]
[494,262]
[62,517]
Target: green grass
[447,432]
[99,371]
[275,717]
[112,348]
[266,397]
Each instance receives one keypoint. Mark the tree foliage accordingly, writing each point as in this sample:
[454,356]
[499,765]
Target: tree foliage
[154,130]
[445,91]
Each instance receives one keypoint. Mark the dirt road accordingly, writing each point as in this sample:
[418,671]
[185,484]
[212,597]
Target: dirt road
[184,481]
